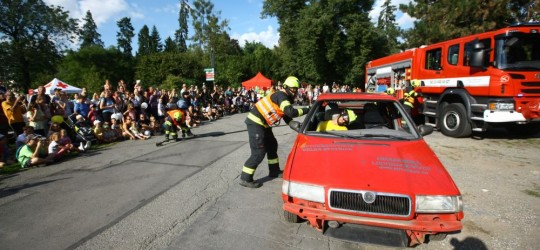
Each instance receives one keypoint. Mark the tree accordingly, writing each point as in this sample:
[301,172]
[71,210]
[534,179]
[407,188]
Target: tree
[181,34]
[324,41]
[144,41]
[155,44]
[388,26]
[170,45]
[447,19]
[124,35]
[33,36]
[90,66]
[89,34]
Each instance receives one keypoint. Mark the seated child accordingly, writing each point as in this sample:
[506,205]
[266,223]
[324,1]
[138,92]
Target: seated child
[55,149]
[33,153]
[66,141]
[98,131]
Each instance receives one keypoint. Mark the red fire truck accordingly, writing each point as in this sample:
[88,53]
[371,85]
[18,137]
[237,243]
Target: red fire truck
[468,83]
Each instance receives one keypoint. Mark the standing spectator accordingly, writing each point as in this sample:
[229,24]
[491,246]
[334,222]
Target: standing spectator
[36,118]
[41,92]
[13,109]
[106,105]
[4,123]
[81,107]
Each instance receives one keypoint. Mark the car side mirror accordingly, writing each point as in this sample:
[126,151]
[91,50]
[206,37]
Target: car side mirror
[425,129]
[295,125]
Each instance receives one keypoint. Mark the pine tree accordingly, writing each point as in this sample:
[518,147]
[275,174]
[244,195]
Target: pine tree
[144,41]
[388,26]
[170,45]
[155,41]
[89,34]
[124,35]
[181,34]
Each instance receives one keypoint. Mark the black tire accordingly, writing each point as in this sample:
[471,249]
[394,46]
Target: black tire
[290,217]
[453,121]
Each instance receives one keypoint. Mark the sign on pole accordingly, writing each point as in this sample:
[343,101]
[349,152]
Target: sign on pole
[209,74]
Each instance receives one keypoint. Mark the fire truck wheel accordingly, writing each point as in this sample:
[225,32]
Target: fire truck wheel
[290,217]
[454,122]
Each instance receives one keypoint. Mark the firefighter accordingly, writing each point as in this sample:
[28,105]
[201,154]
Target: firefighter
[176,120]
[410,98]
[268,112]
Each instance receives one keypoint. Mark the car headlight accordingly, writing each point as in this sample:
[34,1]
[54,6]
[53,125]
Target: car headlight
[303,191]
[438,204]
[501,106]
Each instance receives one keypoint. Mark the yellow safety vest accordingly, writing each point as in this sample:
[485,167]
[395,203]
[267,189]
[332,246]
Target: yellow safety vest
[269,110]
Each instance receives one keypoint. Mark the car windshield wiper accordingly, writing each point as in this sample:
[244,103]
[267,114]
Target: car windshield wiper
[386,136]
[339,134]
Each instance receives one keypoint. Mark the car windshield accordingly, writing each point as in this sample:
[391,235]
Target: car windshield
[380,119]
[518,52]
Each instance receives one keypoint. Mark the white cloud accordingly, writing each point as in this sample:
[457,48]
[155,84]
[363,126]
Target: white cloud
[403,20]
[268,38]
[102,10]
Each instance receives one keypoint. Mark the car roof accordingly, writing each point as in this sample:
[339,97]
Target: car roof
[355,96]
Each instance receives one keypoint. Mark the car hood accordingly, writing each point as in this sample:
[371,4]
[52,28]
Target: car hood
[405,167]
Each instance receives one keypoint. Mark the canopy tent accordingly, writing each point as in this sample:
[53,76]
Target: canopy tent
[258,80]
[59,84]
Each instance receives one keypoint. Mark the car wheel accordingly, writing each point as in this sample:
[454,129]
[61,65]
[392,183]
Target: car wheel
[290,217]
[437,237]
[453,121]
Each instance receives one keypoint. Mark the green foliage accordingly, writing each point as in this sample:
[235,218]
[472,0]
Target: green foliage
[181,34]
[89,34]
[91,66]
[461,18]
[32,38]
[124,35]
[144,41]
[155,41]
[154,69]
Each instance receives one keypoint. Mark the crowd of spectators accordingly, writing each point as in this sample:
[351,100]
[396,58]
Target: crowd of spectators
[42,133]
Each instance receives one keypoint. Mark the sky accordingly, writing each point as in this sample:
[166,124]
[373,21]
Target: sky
[244,17]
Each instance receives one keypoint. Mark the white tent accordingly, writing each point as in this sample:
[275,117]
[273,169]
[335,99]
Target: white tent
[59,84]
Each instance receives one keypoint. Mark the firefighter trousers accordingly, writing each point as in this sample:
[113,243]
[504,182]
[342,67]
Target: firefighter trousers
[262,142]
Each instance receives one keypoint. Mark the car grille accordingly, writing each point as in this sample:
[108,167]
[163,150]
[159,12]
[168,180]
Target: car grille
[386,204]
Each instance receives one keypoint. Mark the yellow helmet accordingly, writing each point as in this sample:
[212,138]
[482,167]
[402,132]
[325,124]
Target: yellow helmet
[351,116]
[415,83]
[177,116]
[390,91]
[292,82]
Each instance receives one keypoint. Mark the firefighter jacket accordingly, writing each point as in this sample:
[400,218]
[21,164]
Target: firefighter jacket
[410,96]
[271,109]
[172,113]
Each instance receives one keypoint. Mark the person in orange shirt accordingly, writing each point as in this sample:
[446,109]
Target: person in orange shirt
[13,109]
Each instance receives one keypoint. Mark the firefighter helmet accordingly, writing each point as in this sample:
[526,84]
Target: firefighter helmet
[292,82]
[415,83]
[177,115]
[390,91]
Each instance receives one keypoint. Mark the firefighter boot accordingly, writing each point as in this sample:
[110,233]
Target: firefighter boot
[273,168]
[167,137]
[183,134]
[175,138]
[189,134]
[246,179]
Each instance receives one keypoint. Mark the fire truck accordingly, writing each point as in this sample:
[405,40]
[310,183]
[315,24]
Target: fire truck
[472,82]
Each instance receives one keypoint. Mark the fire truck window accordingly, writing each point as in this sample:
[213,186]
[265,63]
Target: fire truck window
[453,54]
[433,59]
[469,48]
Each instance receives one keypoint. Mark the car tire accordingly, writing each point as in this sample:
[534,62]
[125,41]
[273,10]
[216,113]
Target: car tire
[453,121]
[290,217]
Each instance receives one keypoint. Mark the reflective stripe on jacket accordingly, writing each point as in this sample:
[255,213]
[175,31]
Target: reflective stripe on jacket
[270,111]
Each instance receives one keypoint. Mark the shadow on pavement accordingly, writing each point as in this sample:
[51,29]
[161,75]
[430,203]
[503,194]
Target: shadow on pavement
[5,192]
[468,243]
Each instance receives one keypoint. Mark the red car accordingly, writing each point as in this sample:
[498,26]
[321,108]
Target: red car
[360,170]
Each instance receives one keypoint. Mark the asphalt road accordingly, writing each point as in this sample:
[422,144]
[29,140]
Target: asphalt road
[185,195]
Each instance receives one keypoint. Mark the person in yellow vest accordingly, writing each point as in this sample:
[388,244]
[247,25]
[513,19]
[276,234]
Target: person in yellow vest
[338,122]
[410,96]
[175,120]
[268,112]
